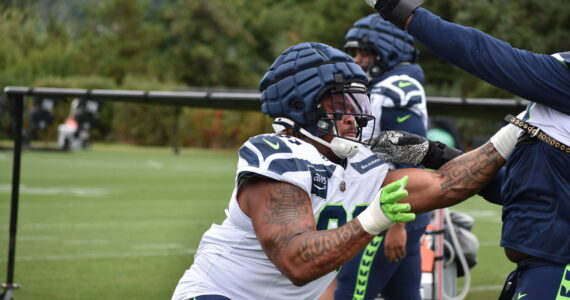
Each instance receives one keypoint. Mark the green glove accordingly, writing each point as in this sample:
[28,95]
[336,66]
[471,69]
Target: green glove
[385,209]
[391,194]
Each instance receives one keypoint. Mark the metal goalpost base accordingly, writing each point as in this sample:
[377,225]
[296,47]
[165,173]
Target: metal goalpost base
[8,293]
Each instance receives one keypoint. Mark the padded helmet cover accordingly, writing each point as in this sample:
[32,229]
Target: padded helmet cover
[300,76]
[391,43]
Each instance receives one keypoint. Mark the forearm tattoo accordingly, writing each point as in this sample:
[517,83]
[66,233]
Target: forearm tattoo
[469,173]
[287,214]
[319,243]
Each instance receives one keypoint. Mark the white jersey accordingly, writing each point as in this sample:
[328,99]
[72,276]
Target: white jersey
[551,121]
[398,91]
[231,262]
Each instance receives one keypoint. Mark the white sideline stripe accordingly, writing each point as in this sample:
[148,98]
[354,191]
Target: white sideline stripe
[154,164]
[88,225]
[3,157]
[483,288]
[104,255]
[75,191]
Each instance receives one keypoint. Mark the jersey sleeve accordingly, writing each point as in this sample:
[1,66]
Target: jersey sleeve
[287,159]
[537,77]
[492,191]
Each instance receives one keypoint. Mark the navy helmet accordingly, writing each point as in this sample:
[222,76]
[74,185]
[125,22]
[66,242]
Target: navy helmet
[299,78]
[391,44]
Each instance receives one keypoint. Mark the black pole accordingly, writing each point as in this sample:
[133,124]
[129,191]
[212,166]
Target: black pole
[18,104]
[176,130]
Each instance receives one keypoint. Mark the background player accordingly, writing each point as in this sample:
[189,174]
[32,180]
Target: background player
[388,56]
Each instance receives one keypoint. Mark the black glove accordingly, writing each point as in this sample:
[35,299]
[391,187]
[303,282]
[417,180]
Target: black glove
[395,11]
[406,148]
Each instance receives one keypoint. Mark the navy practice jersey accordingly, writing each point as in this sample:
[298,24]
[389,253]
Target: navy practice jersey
[536,186]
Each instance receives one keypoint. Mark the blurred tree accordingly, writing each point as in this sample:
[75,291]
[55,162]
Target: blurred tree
[206,44]
[118,41]
[162,44]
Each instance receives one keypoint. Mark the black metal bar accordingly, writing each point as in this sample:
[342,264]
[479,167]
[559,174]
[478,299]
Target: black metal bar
[176,130]
[18,102]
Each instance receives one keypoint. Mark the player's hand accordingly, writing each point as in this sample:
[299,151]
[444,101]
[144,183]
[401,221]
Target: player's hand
[385,209]
[395,11]
[401,147]
[395,242]
[391,194]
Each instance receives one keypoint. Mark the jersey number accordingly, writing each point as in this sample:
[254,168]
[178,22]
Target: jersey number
[334,216]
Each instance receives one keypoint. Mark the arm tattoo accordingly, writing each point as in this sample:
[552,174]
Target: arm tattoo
[287,212]
[287,204]
[467,174]
[287,207]
[320,243]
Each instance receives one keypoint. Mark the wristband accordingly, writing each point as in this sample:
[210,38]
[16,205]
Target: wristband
[438,154]
[506,138]
[373,219]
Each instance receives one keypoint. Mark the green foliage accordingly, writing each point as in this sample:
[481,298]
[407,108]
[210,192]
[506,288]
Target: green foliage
[207,35]
[27,50]
[164,44]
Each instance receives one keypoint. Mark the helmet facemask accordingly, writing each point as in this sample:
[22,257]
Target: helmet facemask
[345,113]
[351,102]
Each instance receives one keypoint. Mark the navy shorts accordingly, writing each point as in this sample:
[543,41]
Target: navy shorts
[538,279]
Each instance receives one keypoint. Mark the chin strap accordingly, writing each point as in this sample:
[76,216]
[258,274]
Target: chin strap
[341,147]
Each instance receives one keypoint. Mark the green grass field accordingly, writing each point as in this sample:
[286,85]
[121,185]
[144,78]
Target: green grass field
[120,222]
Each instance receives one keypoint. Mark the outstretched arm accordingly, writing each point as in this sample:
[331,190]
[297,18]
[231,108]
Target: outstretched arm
[454,182]
[536,77]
